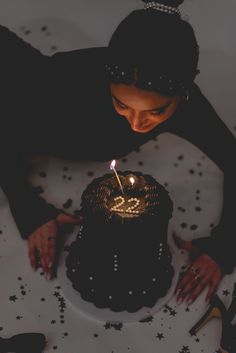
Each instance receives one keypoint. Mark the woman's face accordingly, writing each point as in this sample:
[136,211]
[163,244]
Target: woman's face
[144,110]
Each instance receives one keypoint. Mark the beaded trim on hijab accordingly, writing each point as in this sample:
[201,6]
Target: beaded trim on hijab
[161,83]
[163,8]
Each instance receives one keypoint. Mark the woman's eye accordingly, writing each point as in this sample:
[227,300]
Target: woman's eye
[120,105]
[158,112]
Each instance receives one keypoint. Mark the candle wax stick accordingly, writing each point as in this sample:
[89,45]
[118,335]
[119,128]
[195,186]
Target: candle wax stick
[121,187]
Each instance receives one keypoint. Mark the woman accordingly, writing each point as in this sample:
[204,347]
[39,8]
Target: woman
[114,99]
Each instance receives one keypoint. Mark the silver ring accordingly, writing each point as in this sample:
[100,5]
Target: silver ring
[194,270]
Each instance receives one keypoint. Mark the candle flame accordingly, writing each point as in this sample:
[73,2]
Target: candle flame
[132,180]
[113,163]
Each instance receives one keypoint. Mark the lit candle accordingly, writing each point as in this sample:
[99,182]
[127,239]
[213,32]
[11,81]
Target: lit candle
[112,166]
[131,179]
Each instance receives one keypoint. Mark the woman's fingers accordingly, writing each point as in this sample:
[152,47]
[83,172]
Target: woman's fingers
[197,289]
[34,244]
[48,241]
[42,242]
[32,255]
[188,277]
[204,271]
[51,250]
[42,247]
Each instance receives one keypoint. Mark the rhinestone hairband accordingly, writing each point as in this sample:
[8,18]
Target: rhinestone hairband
[163,8]
[116,73]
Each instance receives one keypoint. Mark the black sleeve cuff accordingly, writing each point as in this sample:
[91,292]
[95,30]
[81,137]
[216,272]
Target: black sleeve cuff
[31,214]
[218,247]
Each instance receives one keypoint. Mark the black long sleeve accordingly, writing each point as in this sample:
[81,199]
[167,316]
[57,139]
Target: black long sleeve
[199,123]
[29,210]
[22,71]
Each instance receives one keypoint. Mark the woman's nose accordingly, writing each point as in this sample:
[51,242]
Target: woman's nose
[136,120]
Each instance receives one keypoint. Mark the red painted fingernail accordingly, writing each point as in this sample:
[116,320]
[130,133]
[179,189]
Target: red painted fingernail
[189,301]
[179,300]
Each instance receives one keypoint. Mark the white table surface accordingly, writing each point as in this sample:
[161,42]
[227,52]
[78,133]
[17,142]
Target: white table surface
[29,303]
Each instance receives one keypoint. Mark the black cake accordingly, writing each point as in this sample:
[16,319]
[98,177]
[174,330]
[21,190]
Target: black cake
[121,259]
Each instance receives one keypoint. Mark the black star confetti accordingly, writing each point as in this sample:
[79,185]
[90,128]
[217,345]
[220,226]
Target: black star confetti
[181,209]
[226,292]
[68,203]
[180,157]
[44,28]
[61,303]
[117,326]
[185,349]
[193,227]
[13,298]
[27,32]
[160,336]
[169,309]
[173,313]
[147,319]
[53,47]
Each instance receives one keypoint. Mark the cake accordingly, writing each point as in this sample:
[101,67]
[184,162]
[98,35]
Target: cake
[121,259]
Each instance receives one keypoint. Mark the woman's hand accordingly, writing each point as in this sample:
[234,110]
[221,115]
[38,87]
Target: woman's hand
[42,243]
[202,272]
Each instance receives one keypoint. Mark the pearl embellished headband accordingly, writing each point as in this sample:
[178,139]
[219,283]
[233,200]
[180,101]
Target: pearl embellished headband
[163,8]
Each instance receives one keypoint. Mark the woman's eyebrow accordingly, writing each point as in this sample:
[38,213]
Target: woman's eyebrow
[149,110]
